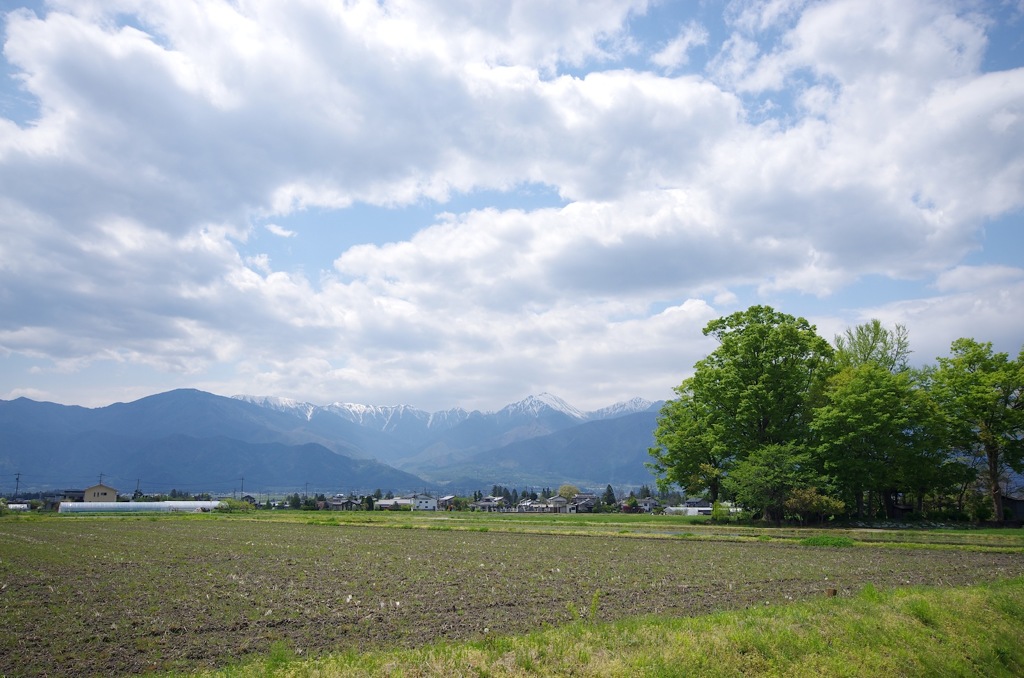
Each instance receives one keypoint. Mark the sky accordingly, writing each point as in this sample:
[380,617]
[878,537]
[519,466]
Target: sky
[459,204]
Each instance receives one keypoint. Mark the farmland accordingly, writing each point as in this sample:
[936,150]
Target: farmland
[125,595]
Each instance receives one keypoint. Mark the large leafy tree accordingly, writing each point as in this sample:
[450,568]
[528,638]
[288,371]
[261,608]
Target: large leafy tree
[689,452]
[757,388]
[878,432]
[980,391]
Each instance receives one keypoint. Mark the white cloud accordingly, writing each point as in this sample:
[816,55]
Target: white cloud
[979,278]
[756,16]
[676,53]
[280,231]
[828,142]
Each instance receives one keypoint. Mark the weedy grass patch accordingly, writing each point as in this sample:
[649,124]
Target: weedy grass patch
[965,632]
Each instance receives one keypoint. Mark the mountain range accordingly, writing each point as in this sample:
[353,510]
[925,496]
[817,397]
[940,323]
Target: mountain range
[189,439]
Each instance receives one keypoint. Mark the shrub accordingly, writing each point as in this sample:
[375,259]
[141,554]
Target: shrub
[234,505]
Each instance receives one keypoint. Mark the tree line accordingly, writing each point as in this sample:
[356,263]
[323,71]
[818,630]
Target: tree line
[793,427]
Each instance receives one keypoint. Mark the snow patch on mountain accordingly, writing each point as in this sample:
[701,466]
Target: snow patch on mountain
[389,418]
[304,410]
[621,409]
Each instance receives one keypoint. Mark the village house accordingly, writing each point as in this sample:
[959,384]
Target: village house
[558,504]
[423,502]
[446,503]
[648,504]
[490,503]
[99,492]
[392,504]
[532,506]
[585,502]
[414,502]
[341,503]
[582,503]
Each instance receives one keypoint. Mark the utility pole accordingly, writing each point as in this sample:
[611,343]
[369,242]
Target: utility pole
[17,484]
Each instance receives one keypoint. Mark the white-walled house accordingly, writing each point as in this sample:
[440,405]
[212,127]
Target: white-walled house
[415,502]
[423,502]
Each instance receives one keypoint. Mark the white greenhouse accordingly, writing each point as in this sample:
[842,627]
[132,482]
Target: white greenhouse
[138,506]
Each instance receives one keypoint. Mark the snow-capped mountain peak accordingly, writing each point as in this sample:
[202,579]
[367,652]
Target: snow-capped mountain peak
[535,404]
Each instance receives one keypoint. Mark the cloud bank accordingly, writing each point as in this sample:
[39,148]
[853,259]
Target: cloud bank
[783,153]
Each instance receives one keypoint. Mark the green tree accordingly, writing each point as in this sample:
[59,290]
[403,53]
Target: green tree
[874,343]
[608,498]
[689,454]
[757,388]
[879,432]
[568,491]
[767,477]
[980,393]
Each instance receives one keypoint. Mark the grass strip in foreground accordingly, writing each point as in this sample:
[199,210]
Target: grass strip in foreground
[969,631]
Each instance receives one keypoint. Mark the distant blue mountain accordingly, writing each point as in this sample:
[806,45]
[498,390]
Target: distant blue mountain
[186,440]
[196,441]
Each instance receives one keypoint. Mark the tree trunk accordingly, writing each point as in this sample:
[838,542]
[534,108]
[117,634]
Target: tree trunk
[992,454]
[890,504]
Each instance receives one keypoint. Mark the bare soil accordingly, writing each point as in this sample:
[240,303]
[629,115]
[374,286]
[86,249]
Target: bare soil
[123,596]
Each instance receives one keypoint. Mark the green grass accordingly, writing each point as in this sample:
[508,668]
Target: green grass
[908,632]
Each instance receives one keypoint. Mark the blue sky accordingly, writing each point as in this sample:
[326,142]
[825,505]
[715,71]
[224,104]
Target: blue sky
[452,204]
